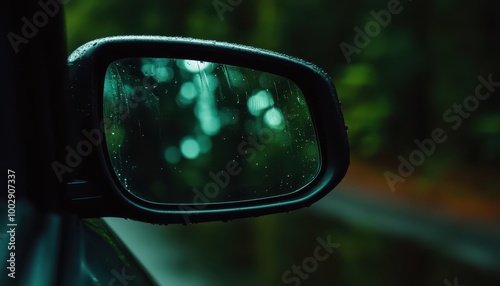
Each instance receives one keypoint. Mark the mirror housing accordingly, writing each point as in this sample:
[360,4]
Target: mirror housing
[93,188]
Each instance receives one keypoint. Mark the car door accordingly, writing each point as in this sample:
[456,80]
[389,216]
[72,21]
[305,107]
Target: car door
[40,243]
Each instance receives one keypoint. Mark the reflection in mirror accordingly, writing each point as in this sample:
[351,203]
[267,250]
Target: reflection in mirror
[183,131]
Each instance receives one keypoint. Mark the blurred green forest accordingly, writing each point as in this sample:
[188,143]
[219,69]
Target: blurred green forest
[394,90]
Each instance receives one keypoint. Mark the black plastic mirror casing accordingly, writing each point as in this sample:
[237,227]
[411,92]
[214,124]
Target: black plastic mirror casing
[93,189]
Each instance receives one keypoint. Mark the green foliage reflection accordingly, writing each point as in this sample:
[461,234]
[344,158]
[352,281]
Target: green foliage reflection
[185,131]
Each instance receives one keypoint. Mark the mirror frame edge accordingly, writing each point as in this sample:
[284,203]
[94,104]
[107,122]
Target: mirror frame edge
[87,68]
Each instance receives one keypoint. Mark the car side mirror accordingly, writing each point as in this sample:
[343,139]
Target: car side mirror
[176,130]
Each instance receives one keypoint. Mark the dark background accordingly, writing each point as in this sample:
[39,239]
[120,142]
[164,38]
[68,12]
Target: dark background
[441,222]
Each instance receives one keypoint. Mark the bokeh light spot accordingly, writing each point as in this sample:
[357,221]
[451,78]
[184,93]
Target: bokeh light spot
[190,148]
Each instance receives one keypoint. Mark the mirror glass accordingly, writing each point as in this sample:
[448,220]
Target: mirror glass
[184,131]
